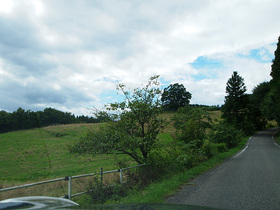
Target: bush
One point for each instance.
(222, 147)
(223, 132)
(210, 149)
(100, 193)
(186, 161)
(160, 162)
(191, 124)
(193, 154)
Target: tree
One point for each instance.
(274, 96)
(134, 126)
(191, 123)
(235, 108)
(259, 105)
(175, 96)
(275, 67)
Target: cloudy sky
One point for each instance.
(70, 54)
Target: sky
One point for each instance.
(71, 54)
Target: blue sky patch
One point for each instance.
(262, 55)
(203, 62)
(207, 67)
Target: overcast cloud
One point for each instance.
(69, 54)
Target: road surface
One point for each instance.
(248, 180)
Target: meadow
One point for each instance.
(33, 155)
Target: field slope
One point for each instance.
(38, 154)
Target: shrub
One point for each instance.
(160, 162)
(186, 161)
(222, 147)
(193, 154)
(191, 124)
(223, 132)
(210, 149)
(100, 193)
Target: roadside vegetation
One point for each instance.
(175, 140)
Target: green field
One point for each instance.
(33, 155)
(41, 154)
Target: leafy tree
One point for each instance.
(191, 123)
(259, 105)
(235, 108)
(134, 126)
(175, 96)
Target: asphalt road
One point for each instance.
(248, 180)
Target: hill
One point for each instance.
(28, 156)
(37, 154)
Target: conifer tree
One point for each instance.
(275, 67)
(235, 105)
(274, 96)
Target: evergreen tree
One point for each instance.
(235, 108)
(275, 67)
(274, 96)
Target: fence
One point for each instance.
(70, 178)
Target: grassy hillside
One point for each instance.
(41, 154)
(37, 154)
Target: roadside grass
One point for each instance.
(158, 191)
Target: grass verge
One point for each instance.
(158, 191)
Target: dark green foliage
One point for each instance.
(210, 149)
(259, 106)
(100, 193)
(193, 153)
(59, 134)
(160, 162)
(191, 123)
(175, 96)
(223, 132)
(275, 67)
(273, 98)
(236, 101)
(22, 119)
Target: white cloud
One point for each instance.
(73, 52)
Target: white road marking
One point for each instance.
(241, 152)
(275, 143)
(244, 148)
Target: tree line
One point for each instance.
(27, 119)
(251, 112)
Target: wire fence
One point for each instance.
(70, 178)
